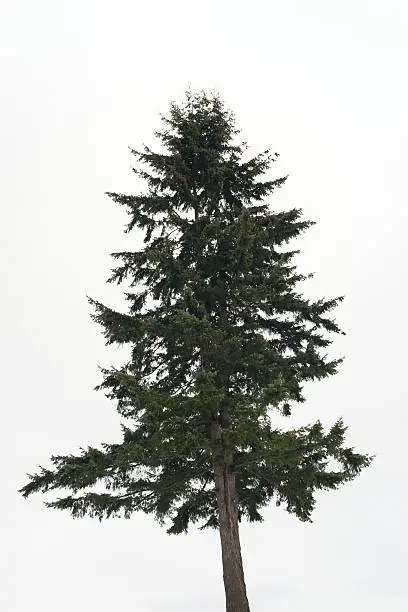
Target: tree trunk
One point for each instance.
(234, 582)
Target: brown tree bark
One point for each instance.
(227, 501)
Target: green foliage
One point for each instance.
(215, 327)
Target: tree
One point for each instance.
(219, 338)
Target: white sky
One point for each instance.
(324, 83)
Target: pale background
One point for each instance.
(324, 83)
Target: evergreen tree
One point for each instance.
(218, 338)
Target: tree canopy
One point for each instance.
(217, 332)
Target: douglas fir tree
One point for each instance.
(218, 339)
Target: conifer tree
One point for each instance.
(219, 339)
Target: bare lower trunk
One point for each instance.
(234, 582)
